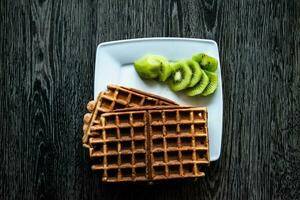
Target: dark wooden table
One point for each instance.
(47, 51)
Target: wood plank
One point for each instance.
(47, 54)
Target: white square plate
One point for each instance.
(114, 65)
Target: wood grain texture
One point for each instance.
(47, 51)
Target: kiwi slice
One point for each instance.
(200, 86)
(206, 62)
(148, 66)
(196, 72)
(153, 66)
(165, 70)
(213, 83)
(180, 77)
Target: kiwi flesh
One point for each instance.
(196, 72)
(206, 62)
(148, 66)
(165, 71)
(180, 77)
(153, 66)
(199, 87)
(213, 83)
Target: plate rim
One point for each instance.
(156, 38)
(114, 42)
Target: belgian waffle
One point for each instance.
(119, 97)
(150, 143)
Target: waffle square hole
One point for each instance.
(138, 118)
(112, 160)
(126, 172)
(140, 172)
(187, 155)
(159, 170)
(185, 115)
(199, 128)
(174, 169)
(124, 119)
(188, 169)
(126, 146)
(112, 173)
(156, 117)
(126, 159)
(201, 154)
(170, 116)
(112, 146)
(185, 129)
(140, 158)
(186, 142)
(111, 133)
(150, 102)
(139, 131)
(164, 103)
(158, 156)
(119, 106)
(173, 156)
(172, 142)
(110, 120)
(157, 130)
(98, 147)
(158, 143)
(200, 141)
(106, 104)
(125, 132)
(139, 145)
(199, 115)
(136, 100)
(122, 95)
(171, 129)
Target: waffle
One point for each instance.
(150, 143)
(118, 97)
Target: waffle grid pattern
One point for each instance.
(121, 146)
(150, 144)
(118, 97)
(179, 143)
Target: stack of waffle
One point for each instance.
(136, 136)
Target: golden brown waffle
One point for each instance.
(159, 100)
(119, 145)
(179, 143)
(118, 97)
(150, 144)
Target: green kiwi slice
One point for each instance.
(165, 70)
(196, 72)
(148, 66)
(199, 87)
(213, 83)
(206, 62)
(180, 77)
(153, 66)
